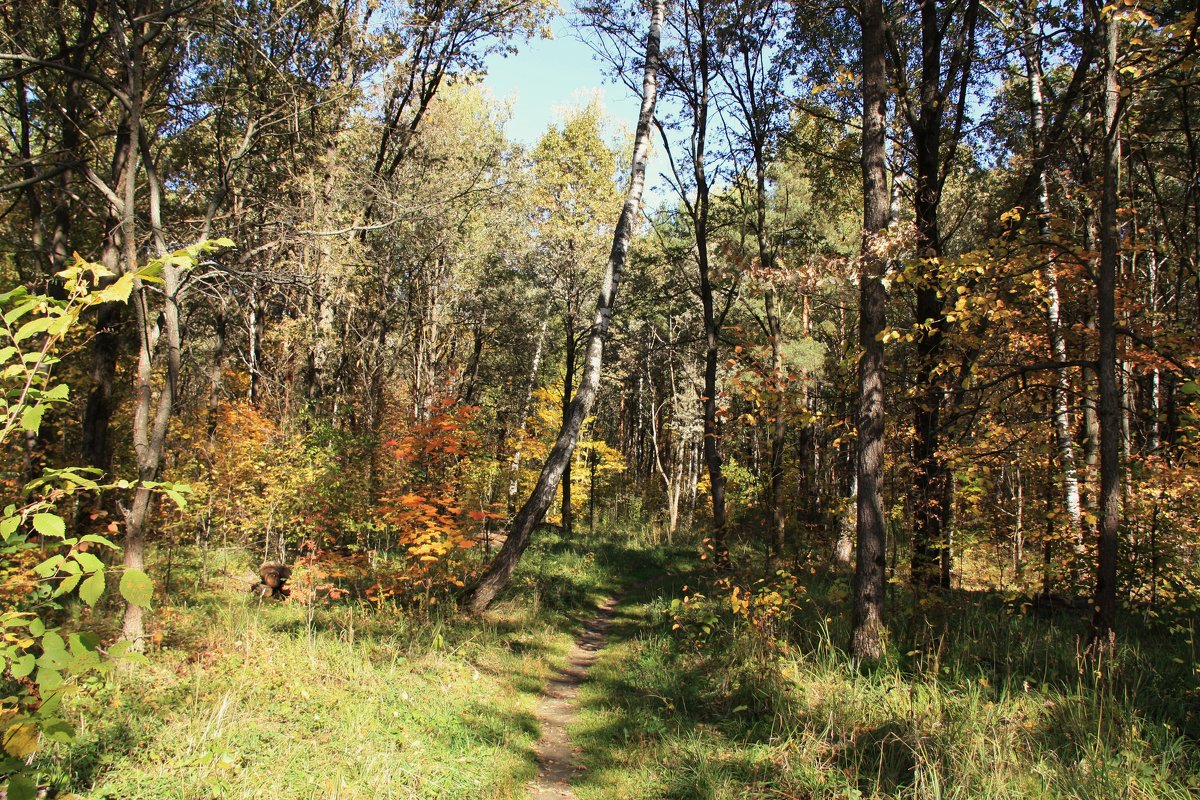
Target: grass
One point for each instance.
(973, 702)
(249, 700)
(243, 699)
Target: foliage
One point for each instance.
(44, 662)
(592, 457)
(971, 703)
(425, 504)
(386, 704)
(271, 487)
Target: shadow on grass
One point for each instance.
(516, 731)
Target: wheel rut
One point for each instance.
(557, 708)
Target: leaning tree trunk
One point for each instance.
(867, 635)
(496, 576)
(1110, 392)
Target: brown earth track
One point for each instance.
(557, 709)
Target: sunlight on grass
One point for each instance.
(666, 716)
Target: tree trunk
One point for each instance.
(1110, 391)
(847, 522)
(568, 380)
(497, 575)
(929, 470)
(778, 427)
(96, 447)
(1060, 389)
(472, 385)
(867, 636)
(216, 385)
(514, 466)
(712, 424)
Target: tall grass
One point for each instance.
(973, 701)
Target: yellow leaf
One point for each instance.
(21, 740)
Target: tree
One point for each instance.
(690, 77)
(754, 85)
(496, 576)
(941, 88)
(573, 172)
(1106, 289)
(867, 636)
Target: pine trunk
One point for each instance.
(867, 636)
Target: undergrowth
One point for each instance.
(974, 700)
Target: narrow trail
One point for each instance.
(557, 709)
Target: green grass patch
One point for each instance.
(249, 699)
(972, 702)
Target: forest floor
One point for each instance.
(241, 699)
(247, 699)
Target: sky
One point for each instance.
(548, 76)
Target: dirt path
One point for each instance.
(557, 709)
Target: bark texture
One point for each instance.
(1110, 390)
(867, 635)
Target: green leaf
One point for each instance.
(1191, 387)
(49, 679)
(84, 641)
(23, 666)
(91, 589)
(31, 418)
(8, 526)
(60, 324)
(49, 525)
(88, 561)
(151, 272)
(12, 315)
(118, 291)
(58, 393)
(136, 587)
(49, 566)
(58, 730)
(21, 788)
(98, 539)
(6, 353)
(67, 585)
(34, 326)
(36, 627)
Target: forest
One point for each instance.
(828, 429)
